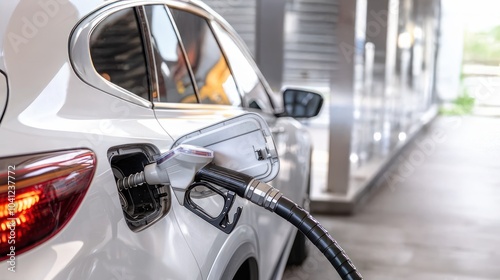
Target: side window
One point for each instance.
(254, 93)
(212, 74)
(117, 52)
(174, 81)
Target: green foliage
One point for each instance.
(483, 47)
(463, 105)
(495, 32)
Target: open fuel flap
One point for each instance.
(243, 143)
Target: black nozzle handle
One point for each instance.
(231, 180)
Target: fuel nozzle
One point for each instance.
(177, 167)
(243, 185)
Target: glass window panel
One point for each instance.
(117, 52)
(254, 92)
(212, 74)
(175, 85)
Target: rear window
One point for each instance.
(117, 52)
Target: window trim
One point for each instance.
(223, 52)
(195, 106)
(238, 41)
(81, 60)
(151, 57)
(250, 62)
(148, 49)
(80, 57)
(191, 8)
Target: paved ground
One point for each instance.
(436, 215)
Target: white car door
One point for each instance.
(196, 88)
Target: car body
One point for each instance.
(68, 98)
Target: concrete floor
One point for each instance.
(434, 215)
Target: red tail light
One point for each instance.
(38, 196)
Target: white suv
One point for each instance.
(91, 91)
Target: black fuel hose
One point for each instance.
(270, 198)
(319, 236)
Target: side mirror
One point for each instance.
(301, 103)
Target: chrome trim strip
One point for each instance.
(193, 106)
(228, 63)
(149, 52)
(81, 60)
